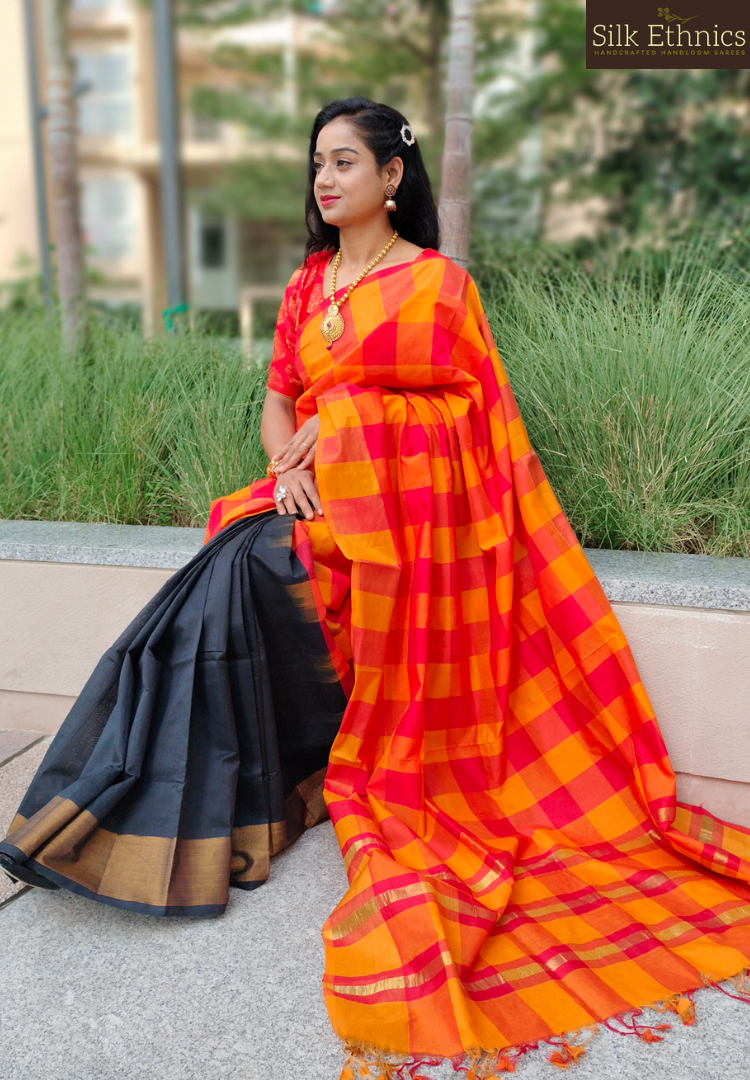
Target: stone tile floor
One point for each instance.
(88, 992)
(20, 755)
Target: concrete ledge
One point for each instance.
(633, 577)
(101, 545)
(21, 710)
(644, 577)
(69, 590)
(57, 619)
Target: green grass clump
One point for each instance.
(631, 371)
(633, 377)
(131, 431)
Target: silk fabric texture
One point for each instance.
(518, 865)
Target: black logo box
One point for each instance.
(678, 34)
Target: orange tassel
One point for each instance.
(741, 983)
(375, 1070)
(503, 1063)
(681, 1004)
(648, 1034)
(486, 1064)
(569, 1053)
(632, 1027)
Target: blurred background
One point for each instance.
(562, 155)
(609, 241)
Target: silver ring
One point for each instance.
(281, 494)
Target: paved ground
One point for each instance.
(88, 992)
(20, 755)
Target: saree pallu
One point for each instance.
(518, 865)
(183, 765)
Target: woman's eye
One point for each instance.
(341, 161)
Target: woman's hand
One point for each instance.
(299, 452)
(297, 488)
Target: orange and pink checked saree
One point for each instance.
(518, 865)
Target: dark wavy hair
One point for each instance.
(379, 127)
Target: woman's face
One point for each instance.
(349, 187)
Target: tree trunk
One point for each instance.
(63, 157)
(435, 36)
(454, 195)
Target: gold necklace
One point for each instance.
(332, 326)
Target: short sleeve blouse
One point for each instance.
(301, 292)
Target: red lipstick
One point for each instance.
(327, 200)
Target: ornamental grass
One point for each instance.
(632, 373)
(631, 369)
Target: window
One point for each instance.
(213, 244)
(205, 128)
(108, 209)
(105, 108)
(100, 5)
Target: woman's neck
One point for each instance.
(360, 244)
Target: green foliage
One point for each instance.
(671, 147)
(631, 374)
(130, 431)
(630, 370)
(389, 50)
(685, 156)
(664, 148)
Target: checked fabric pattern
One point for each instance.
(518, 865)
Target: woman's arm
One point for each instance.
(277, 431)
(278, 422)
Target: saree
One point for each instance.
(183, 766)
(518, 864)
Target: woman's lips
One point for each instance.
(328, 200)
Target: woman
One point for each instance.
(403, 599)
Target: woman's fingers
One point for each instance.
(300, 497)
(299, 447)
(299, 492)
(305, 493)
(295, 453)
(308, 459)
(280, 502)
(289, 504)
(310, 488)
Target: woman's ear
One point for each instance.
(394, 171)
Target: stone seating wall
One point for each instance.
(68, 590)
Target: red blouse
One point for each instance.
(304, 294)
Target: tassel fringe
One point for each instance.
(569, 1049)
(741, 983)
(369, 1063)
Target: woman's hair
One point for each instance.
(379, 127)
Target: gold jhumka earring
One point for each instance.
(389, 204)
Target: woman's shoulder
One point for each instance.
(302, 284)
(308, 267)
(438, 271)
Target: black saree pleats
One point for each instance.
(198, 747)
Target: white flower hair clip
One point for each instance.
(408, 135)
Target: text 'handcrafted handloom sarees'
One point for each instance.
(504, 801)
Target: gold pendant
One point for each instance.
(332, 326)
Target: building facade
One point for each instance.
(112, 46)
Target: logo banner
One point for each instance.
(685, 34)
